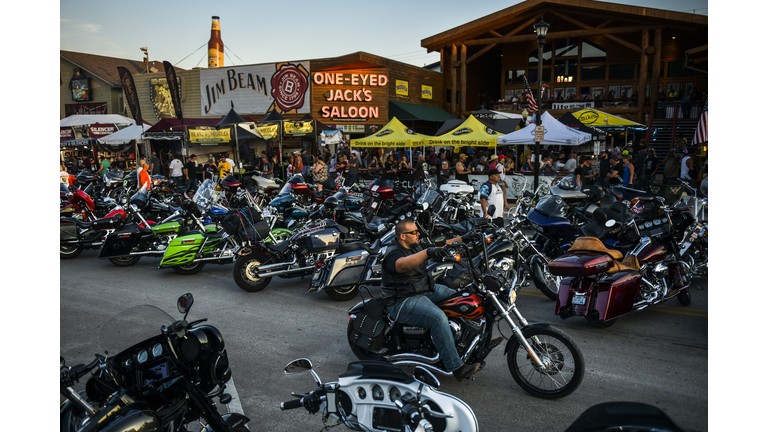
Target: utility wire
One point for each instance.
(177, 63)
(238, 57)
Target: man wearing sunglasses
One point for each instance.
(411, 295)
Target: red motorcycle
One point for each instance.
(307, 194)
(597, 286)
(381, 199)
(77, 204)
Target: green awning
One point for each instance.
(412, 111)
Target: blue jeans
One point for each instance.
(389, 183)
(421, 311)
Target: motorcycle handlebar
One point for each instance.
(291, 404)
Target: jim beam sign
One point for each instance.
(255, 89)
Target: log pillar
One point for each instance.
(453, 79)
(463, 80)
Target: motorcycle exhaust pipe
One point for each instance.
(274, 266)
(433, 369)
(412, 357)
(284, 272)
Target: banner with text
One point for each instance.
(268, 132)
(209, 136)
(255, 89)
(572, 105)
(297, 128)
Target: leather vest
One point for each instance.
(397, 286)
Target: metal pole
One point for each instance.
(537, 145)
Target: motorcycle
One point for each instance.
(618, 416)
(382, 199)
(259, 260)
(163, 381)
(597, 286)
(543, 360)
(376, 396)
(76, 235)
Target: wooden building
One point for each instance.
(591, 49)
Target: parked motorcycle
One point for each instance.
(543, 360)
(76, 235)
(377, 396)
(383, 199)
(166, 380)
(598, 287)
(620, 416)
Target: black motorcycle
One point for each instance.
(166, 380)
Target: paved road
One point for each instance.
(657, 356)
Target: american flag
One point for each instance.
(701, 129)
(529, 97)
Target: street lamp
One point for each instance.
(541, 28)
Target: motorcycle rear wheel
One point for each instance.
(599, 324)
(243, 279)
(545, 281)
(189, 269)
(565, 363)
(126, 261)
(684, 297)
(344, 293)
(69, 251)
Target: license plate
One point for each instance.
(374, 205)
(266, 213)
(579, 299)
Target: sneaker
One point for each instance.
(466, 371)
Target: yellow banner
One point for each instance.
(401, 87)
(297, 128)
(209, 136)
(268, 132)
(426, 91)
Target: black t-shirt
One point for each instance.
(190, 167)
(305, 159)
(605, 168)
(651, 163)
(579, 171)
(388, 167)
(156, 167)
(209, 172)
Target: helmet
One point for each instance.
(331, 202)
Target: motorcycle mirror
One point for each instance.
(440, 241)
(426, 377)
(610, 223)
(298, 366)
(184, 303)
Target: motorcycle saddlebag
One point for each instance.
(121, 242)
(368, 326)
(182, 250)
(616, 294)
(318, 241)
(347, 269)
(67, 230)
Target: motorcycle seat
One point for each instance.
(592, 244)
(278, 247)
(350, 247)
(144, 230)
(597, 228)
(217, 234)
(462, 228)
(373, 227)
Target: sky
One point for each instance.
(268, 32)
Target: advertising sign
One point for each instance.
(426, 91)
(255, 89)
(401, 87)
(268, 132)
(297, 128)
(209, 136)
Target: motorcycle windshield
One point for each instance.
(297, 179)
(286, 190)
(131, 327)
(429, 198)
(204, 194)
(552, 206)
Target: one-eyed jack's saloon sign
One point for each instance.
(351, 96)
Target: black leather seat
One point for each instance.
(350, 247)
(278, 247)
(597, 228)
(462, 228)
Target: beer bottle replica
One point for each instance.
(215, 46)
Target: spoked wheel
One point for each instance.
(343, 293)
(246, 272)
(125, 261)
(67, 251)
(563, 363)
(544, 280)
(189, 269)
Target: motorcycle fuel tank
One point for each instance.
(465, 305)
(166, 228)
(652, 252)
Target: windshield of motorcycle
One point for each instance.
(552, 206)
(131, 327)
(430, 197)
(204, 193)
(297, 179)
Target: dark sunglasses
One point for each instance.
(414, 232)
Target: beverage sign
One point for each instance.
(255, 89)
(426, 91)
(401, 87)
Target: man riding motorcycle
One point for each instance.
(411, 295)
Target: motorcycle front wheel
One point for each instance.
(563, 367)
(343, 293)
(246, 272)
(544, 280)
(67, 251)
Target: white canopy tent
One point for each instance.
(125, 135)
(555, 133)
(506, 115)
(83, 120)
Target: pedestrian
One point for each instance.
(326, 155)
(104, 166)
(231, 163)
(176, 168)
(305, 162)
(341, 165)
(210, 170)
(69, 162)
(119, 162)
(190, 172)
(628, 171)
(267, 169)
(390, 171)
(154, 164)
(443, 173)
(462, 170)
(582, 172)
(642, 153)
(614, 176)
(142, 173)
(571, 163)
(650, 166)
(491, 193)
(63, 175)
(374, 165)
(298, 164)
(686, 166)
(353, 168)
(672, 165)
(502, 177)
(319, 172)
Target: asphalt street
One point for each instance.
(657, 356)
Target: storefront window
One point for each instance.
(565, 70)
(676, 69)
(661, 69)
(592, 53)
(533, 57)
(533, 75)
(566, 47)
(593, 73)
(621, 71)
(514, 77)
